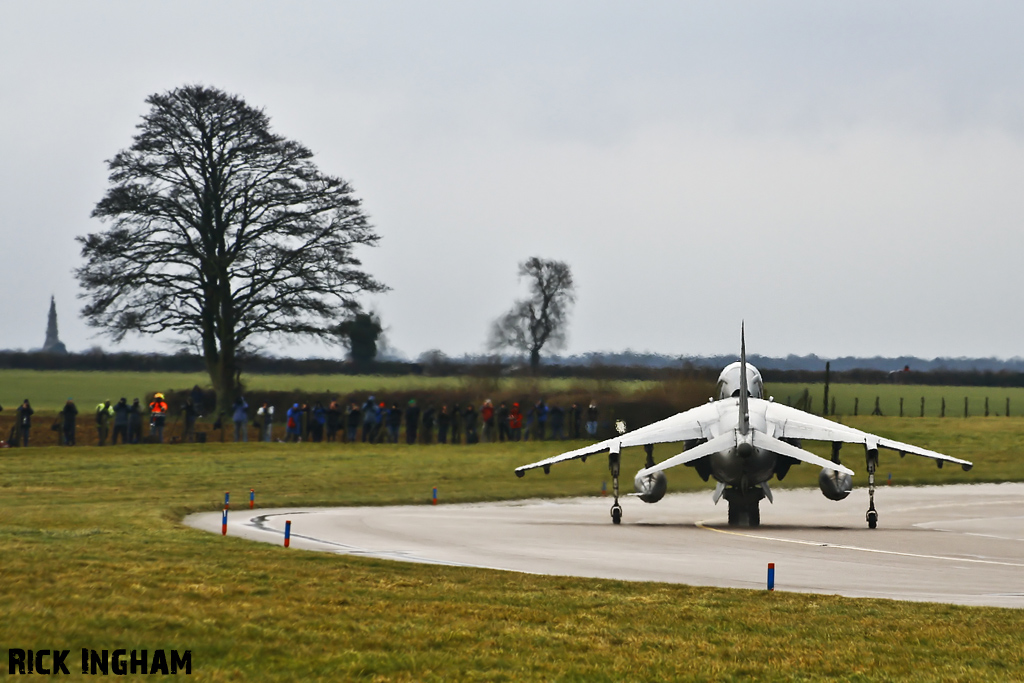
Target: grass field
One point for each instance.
(889, 398)
(48, 390)
(94, 556)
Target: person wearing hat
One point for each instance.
(487, 415)
(120, 422)
(157, 417)
(25, 413)
(515, 423)
(69, 416)
(592, 419)
(104, 411)
(369, 410)
(293, 429)
(135, 422)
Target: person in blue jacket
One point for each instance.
(293, 422)
(316, 427)
(369, 408)
(541, 411)
(241, 419)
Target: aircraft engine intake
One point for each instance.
(652, 487)
(835, 485)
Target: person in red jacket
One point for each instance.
(515, 422)
(157, 417)
(487, 415)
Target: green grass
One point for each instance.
(49, 389)
(94, 556)
(889, 398)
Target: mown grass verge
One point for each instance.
(94, 556)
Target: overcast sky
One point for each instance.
(848, 177)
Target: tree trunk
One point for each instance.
(226, 385)
(534, 360)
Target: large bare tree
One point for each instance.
(222, 232)
(541, 319)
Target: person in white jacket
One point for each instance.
(265, 414)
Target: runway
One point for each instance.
(952, 544)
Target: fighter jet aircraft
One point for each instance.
(743, 440)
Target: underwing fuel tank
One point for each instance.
(651, 488)
(835, 485)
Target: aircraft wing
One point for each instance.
(695, 423)
(729, 440)
(791, 423)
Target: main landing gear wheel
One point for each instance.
(613, 466)
(872, 462)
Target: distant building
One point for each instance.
(53, 344)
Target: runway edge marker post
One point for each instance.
(771, 576)
(252, 498)
(433, 501)
(287, 533)
(227, 499)
(224, 523)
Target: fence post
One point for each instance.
(1007, 406)
(942, 412)
(833, 405)
(877, 410)
(824, 404)
(922, 406)
(901, 406)
(856, 401)
(986, 406)
(965, 406)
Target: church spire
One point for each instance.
(53, 344)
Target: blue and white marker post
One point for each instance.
(224, 523)
(287, 533)
(227, 499)
(604, 488)
(434, 499)
(252, 498)
(771, 576)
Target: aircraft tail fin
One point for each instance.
(744, 404)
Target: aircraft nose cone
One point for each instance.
(744, 450)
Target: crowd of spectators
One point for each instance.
(373, 421)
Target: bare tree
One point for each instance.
(541, 319)
(222, 232)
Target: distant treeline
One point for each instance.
(185, 362)
(440, 366)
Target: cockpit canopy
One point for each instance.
(729, 382)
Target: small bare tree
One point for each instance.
(541, 319)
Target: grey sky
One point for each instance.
(846, 177)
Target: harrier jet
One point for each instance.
(742, 441)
